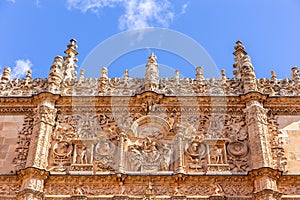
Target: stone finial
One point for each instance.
(104, 73)
(199, 74)
(81, 74)
(151, 79)
(70, 61)
(126, 74)
(71, 48)
(28, 78)
(177, 76)
(295, 75)
(152, 60)
(223, 74)
(273, 76)
(5, 75)
(239, 49)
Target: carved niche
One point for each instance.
(149, 149)
(81, 144)
(220, 144)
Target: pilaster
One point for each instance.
(256, 120)
(44, 122)
(32, 184)
(265, 184)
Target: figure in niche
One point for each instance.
(166, 158)
(135, 158)
(216, 155)
(150, 150)
(83, 156)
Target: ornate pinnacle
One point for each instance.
(239, 49)
(72, 47)
(126, 73)
(273, 75)
(223, 74)
(152, 60)
(104, 73)
(81, 73)
(6, 75)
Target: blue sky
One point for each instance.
(33, 32)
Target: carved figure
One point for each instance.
(216, 155)
(83, 156)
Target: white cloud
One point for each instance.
(183, 8)
(146, 13)
(138, 13)
(12, 1)
(21, 68)
(93, 5)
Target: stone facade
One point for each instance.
(149, 138)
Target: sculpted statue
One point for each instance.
(83, 156)
(216, 155)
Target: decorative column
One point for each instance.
(180, 152)
(32, 184)
(122, 138)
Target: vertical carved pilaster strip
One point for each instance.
(256, 120)
(43, 126)
(32, 186)
(265, 184)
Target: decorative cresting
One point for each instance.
(150, 137)
(62, 80)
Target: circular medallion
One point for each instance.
(237, 148)
(62, 149)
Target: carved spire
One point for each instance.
(199, 74)
(239, 54)
(56, 74)
(152, 75)
(152, 60)
(5, 78)
(5, 75)
(295, 75)
(70, 61)
(244, 69)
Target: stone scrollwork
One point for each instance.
(24, 140)
(237, 156)
(105, 155)
(277, 150)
